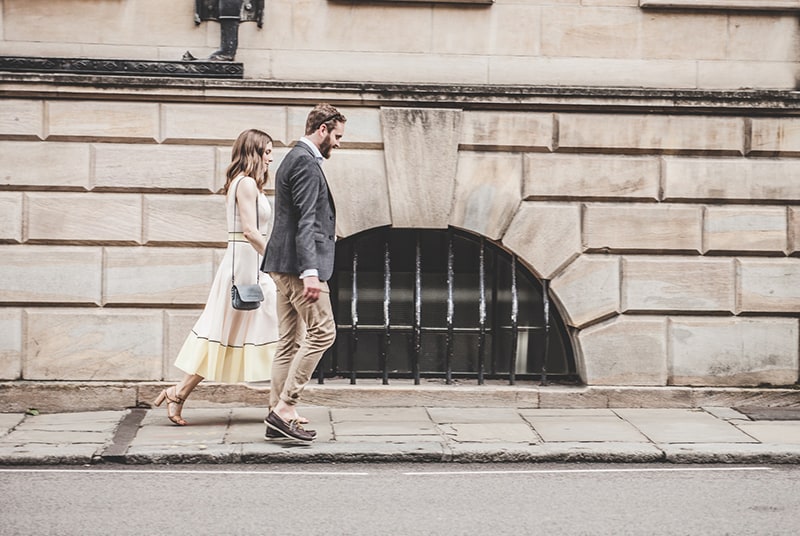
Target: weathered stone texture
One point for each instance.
(178, 325)
(677, 284)
(746, 74)
(507, 130)
(10, 343)
(683, 36)
(794, 230)
(625, 351)
(637, 227)
(769, 285)
(84, 217)
(745, 229)
(421, 194)
(651, 133)
(18, 168)
(488, 192)
(588, 289)
(116, 345)
(154, 167)
(10, 217)
(103, 120)
(21, 118)
(185, 219)
(578, 176)
(50, 274)
(221, 123)
(775, 136)
(731, 179)
(585, 31)
(357, 180)
(733, 351)
(157, 276)
(545, 235)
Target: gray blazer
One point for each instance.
(304, 233)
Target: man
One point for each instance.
(299, 258)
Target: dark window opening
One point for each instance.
(421, 303)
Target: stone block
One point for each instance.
(179, 325)
(775, 136)
(794, 230)
(546, 236)
(10, 343)
(221, 123)
(592, 72)
(357, 179)
(511, 43)
(745, 29)
(733, 351)
(731, 179)
(147, 22)
(678, 284)
(396, 67)
(747, 75)
(588, 289)
(640, 227)
(72, 171)
(164, 276)
(114, 345)
(651, 133)
(50, 274)
(362, 129)
(84, 217)
(185, 219)
(488, 192)
(154, 167)
(625, 351)
(103, 121)
(507, 131)
(769, 285)
(10, 217)
(580, 176)
(421, 194)
(745, 229)
(684, 36)
(570, 31)
(21, 118)
(451, 23)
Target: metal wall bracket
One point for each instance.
(229, 13)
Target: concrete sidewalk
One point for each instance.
(414, 434)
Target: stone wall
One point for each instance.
(617, 43)
(665, 219)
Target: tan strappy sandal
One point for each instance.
(175, 400)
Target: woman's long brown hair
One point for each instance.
(247, 158)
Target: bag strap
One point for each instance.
(233, 247)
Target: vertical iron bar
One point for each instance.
(481, 313)
(417, 310)
(354, 317)
(546, 304)
(496, 331)
(512, 372)
(387, 290)
(450, 310)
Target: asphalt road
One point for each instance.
(395, 499)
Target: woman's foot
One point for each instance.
(174, 405)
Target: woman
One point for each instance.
(229, 345)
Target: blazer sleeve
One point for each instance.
(306, 183)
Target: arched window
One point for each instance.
(421, 303)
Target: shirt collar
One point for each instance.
(314, 148)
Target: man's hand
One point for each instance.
(311, 288)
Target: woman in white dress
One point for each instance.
(226, 344)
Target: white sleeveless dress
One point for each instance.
(228, 345)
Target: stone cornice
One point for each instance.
(300, 93)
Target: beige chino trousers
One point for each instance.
(305, 331)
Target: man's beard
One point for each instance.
(326, 146)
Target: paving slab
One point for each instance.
(378, 414)
(337, 452)
(518, 432)
(566, 412)
(583, 428)
(776, 432)
(474, 415)
(397, 439)
(54, 437)
(683, 426)
(49, 454)
(731, 453)
(9, 421)
(365, 428)
(726, 414)
(183, 453)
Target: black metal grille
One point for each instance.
(420, 303)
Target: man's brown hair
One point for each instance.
(323, 114)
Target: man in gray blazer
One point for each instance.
(299, 258)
